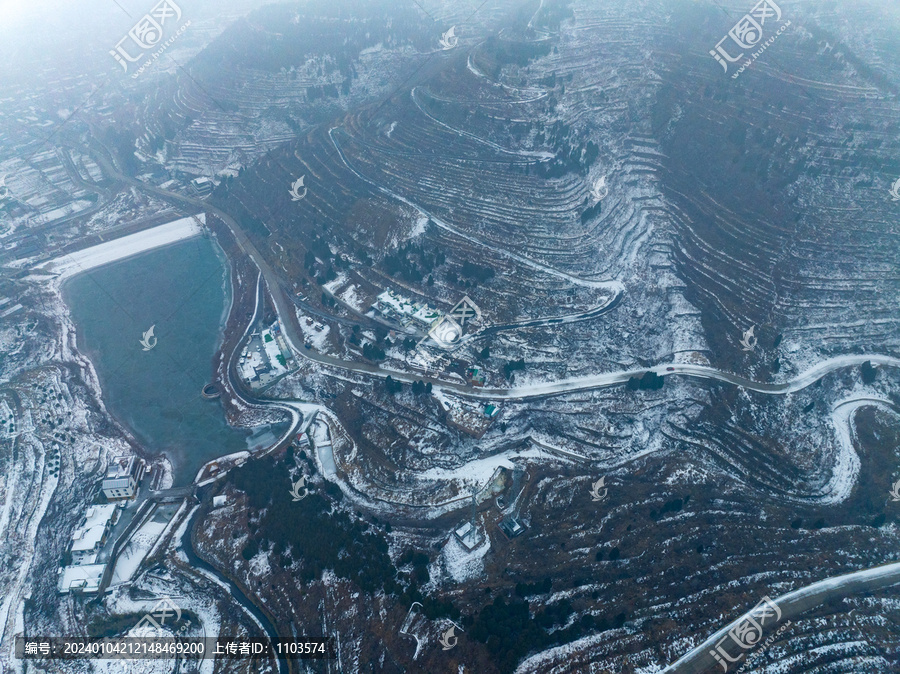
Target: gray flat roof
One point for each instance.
(116, 482)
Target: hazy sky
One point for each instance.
(74, 35)
(62, 32)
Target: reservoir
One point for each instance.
(183, 291)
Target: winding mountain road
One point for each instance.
(284, 307)
(606, 379)
(699, 659)
(791, 605)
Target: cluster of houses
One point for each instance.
(85, 571)
(446, 330)
(403, 310)
(265, 358)
(178, 182)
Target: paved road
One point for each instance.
(791, 605)
(699, 659)
(292, 332)
(606, 379)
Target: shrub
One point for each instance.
(512, 365)
(869, 373)
(318, 537)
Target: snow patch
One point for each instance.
(461, 564)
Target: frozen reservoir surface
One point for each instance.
(183, 292)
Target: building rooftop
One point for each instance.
(86, 537)
(119, 467)
(511, 527)
(116, 482)
(469, 536)
(403, 306)
(81, 578)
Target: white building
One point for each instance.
(265, 358)
(84, 578)
(89, 537)
(391, 304)
(273, 352)
(202, 186)
(122, 477)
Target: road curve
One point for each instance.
(606, 379)
(699, 659)
(291, 330)
(792, 604)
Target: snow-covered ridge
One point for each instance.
(576, 384)
(799, 600)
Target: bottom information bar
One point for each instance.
(141, 648)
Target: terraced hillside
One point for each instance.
(613, 202)
(777, 184)
(274, 74)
